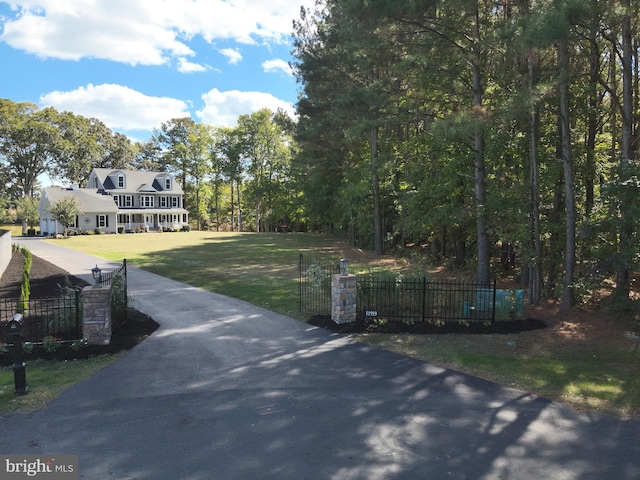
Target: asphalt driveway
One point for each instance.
(227, 390)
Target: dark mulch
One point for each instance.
(498, 327)
(46, 279)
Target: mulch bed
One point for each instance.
(46, 280)
(425, 328)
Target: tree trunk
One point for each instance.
(592, 127)
(535, 267)
(568, 294)
(627, 156)
(217, 207)
(480, 188)
(375, 184)
(232, 209)
(239, 207)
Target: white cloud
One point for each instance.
(147, 32)
(233, 54)
(185, 66)
(117, 106)
(224, 108)
(277, 65)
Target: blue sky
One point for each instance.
(136, 63)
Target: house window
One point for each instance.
(128, 201)
(146, 201)
(163, 202)
(116, 199)
(120, 180)
(102, 221)
(174, 202)
(167, 183)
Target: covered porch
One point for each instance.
(145, 220)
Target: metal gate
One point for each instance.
(315, 286)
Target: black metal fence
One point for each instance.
(315, 286)
(59, 317)
(389, 297)
(412, 300)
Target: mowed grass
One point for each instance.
(46, 379)
(586, 375)
(263, 269)
(259, 268)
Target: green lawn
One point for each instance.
(259, 268)
(262, 269)
(46, 379)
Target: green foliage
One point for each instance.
(65, 211)
(316, 274)
(463, 97)
(119, 298)
(25, 287)
(61, 320)
(27, 348)
(79, 344)
(27, 210)
(27, 145)
(25, 293)
(51, 344)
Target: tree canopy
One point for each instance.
(485, 134)
(65, 211)
(478, 129)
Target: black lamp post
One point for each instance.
(97, 276)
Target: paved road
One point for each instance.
(227, 390)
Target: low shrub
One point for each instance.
(50, 344)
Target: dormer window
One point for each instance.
(121, 180)
(167, 183)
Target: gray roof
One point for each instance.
(137, 181)
(90, 200)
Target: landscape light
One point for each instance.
(97, 275)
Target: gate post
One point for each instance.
(343, 298)
(96, 307)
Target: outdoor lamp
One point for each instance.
(343, 266)
(97, 275)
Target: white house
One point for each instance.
(115, 198)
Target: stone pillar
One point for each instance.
(343, 298)
(96, 318)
